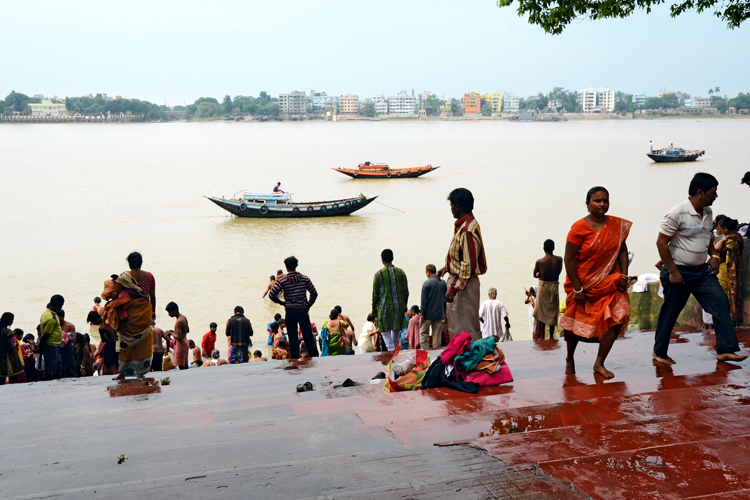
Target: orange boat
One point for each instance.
(369, 170)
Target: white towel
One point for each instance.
(641, 286)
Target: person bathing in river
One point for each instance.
(597, 305)
(181, 329)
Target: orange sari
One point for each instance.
(599, 273)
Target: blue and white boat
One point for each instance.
(670, 155)
(272, 205)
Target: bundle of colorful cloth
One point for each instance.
(466, 365)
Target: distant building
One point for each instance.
(381, 104)
(601, 100)
(701, 102)
(688, 103)
(495, 100)
(349, 105)
(425, 95)
(48, 108)
(681, 96)
(402, 105)
(322, 102)
(472, 103)
(39, 96)
(293, 103)
(510, 103)
(639, 99)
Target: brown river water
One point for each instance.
(76, 199)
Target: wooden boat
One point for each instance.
(270, 206)
(369, 170)
(670, 155)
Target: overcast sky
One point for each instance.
(182, 50)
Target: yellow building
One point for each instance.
(495, 99)
(48, 108)
(349, 105)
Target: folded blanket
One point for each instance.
(470, 359)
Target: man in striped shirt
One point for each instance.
(295, 287)
(390, 294)
(684, 243)
(464, 263)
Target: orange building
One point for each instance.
(472, 103)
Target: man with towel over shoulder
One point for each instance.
(547, 270)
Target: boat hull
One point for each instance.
(672, 159)
(333, 208)
(403, 173)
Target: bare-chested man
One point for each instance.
(215, 359)
(270, 285)
(547, 270)
(181, 329)
(159, 336)
(196, 360)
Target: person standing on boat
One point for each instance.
(684, 244)
(464, 264)
(277, 189)
(651, 145)
(295, 287)
(390, 294)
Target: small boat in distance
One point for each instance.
(669, 155)
(271, 206)
(369, 170)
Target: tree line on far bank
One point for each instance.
(86, 106)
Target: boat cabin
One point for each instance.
(373, 166)
(268, 198)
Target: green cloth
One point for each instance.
(51, 324)
(471, 358)
(390, 294)
(334, 341)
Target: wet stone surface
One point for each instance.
(245, 432)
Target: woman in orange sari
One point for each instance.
(130, 312)
(596, 262)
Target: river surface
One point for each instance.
(77, 198)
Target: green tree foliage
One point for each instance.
(719, 103)
(227, 105)
(667, 101)
(368, 109)
(15, 101)
(95, 106)
(564, 100)
(553, 16)
(457, 107)
(207, 110)
(263, 105)
(742, 101)
(432, 105)
(486, 108)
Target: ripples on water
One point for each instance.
(76, 199)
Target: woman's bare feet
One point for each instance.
(730, 356)
(603, 371)
(664, 361)
(570, 367)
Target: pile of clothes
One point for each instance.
(467, 365)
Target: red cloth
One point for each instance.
(412, 332)
(458, 345)
(485, 379)
(209, 343)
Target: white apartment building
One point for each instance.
(293, 103)
(381, 104)
(701, 102)
(321, 101)
(601, 100)
(48, 108)
(510, 103)
(402, 105)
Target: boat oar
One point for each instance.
(396, 209)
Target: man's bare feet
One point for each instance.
(603, 371)
(730, 356)
(570, 367)
(119, 377)
(664, 361)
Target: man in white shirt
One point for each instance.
(684, 243)
(491, 314)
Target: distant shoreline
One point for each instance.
(568, 117)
